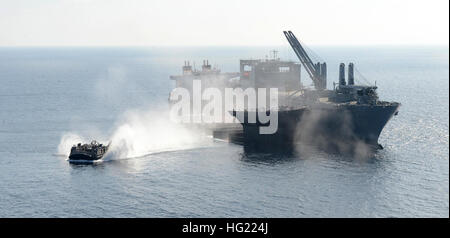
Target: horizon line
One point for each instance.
(206, 46)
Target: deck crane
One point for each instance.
(318, 71)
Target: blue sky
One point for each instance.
(231, 22)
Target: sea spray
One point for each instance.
(139, 133)
(148, 132)
(67, 141)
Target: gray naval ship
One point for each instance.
(347, 115)
(85, 153)
(343, 117)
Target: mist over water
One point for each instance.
(140, 133)
(309, 132)
(150, 132)
(137, 131)
(52, 98)
(69, 139)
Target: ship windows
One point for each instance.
(284, 69)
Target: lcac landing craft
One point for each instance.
(87, 152)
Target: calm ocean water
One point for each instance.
(46, 93)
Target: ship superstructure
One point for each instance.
(345, 115)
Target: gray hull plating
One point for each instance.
(323, 126)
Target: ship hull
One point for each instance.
(83, 157)
(328, 126)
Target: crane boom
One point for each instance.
(317, 75)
